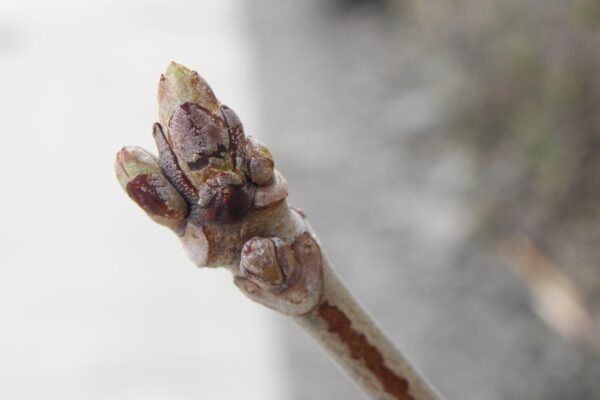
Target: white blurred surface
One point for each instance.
(96, 301)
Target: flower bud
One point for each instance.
(140, 175)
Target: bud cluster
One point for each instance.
(207, 171)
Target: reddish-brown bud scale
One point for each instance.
(149, 192)
(227, 204)
(196, 134)
(141, 177)
(170, 166)
(236, 137)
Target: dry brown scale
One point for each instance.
(219, 191)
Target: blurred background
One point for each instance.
(446, 153)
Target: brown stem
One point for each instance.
(326, 310)
(348, 334)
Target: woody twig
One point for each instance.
(219, 191)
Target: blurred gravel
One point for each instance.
(350, 108)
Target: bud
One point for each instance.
(259, 263)
(287, 277)
(259, 162)
(140, 175)
(202, 150)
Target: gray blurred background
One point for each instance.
(446, 153)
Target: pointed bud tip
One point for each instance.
(175, 69)
(179, 85)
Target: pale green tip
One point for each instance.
(180, 85)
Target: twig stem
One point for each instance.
(351, 338)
